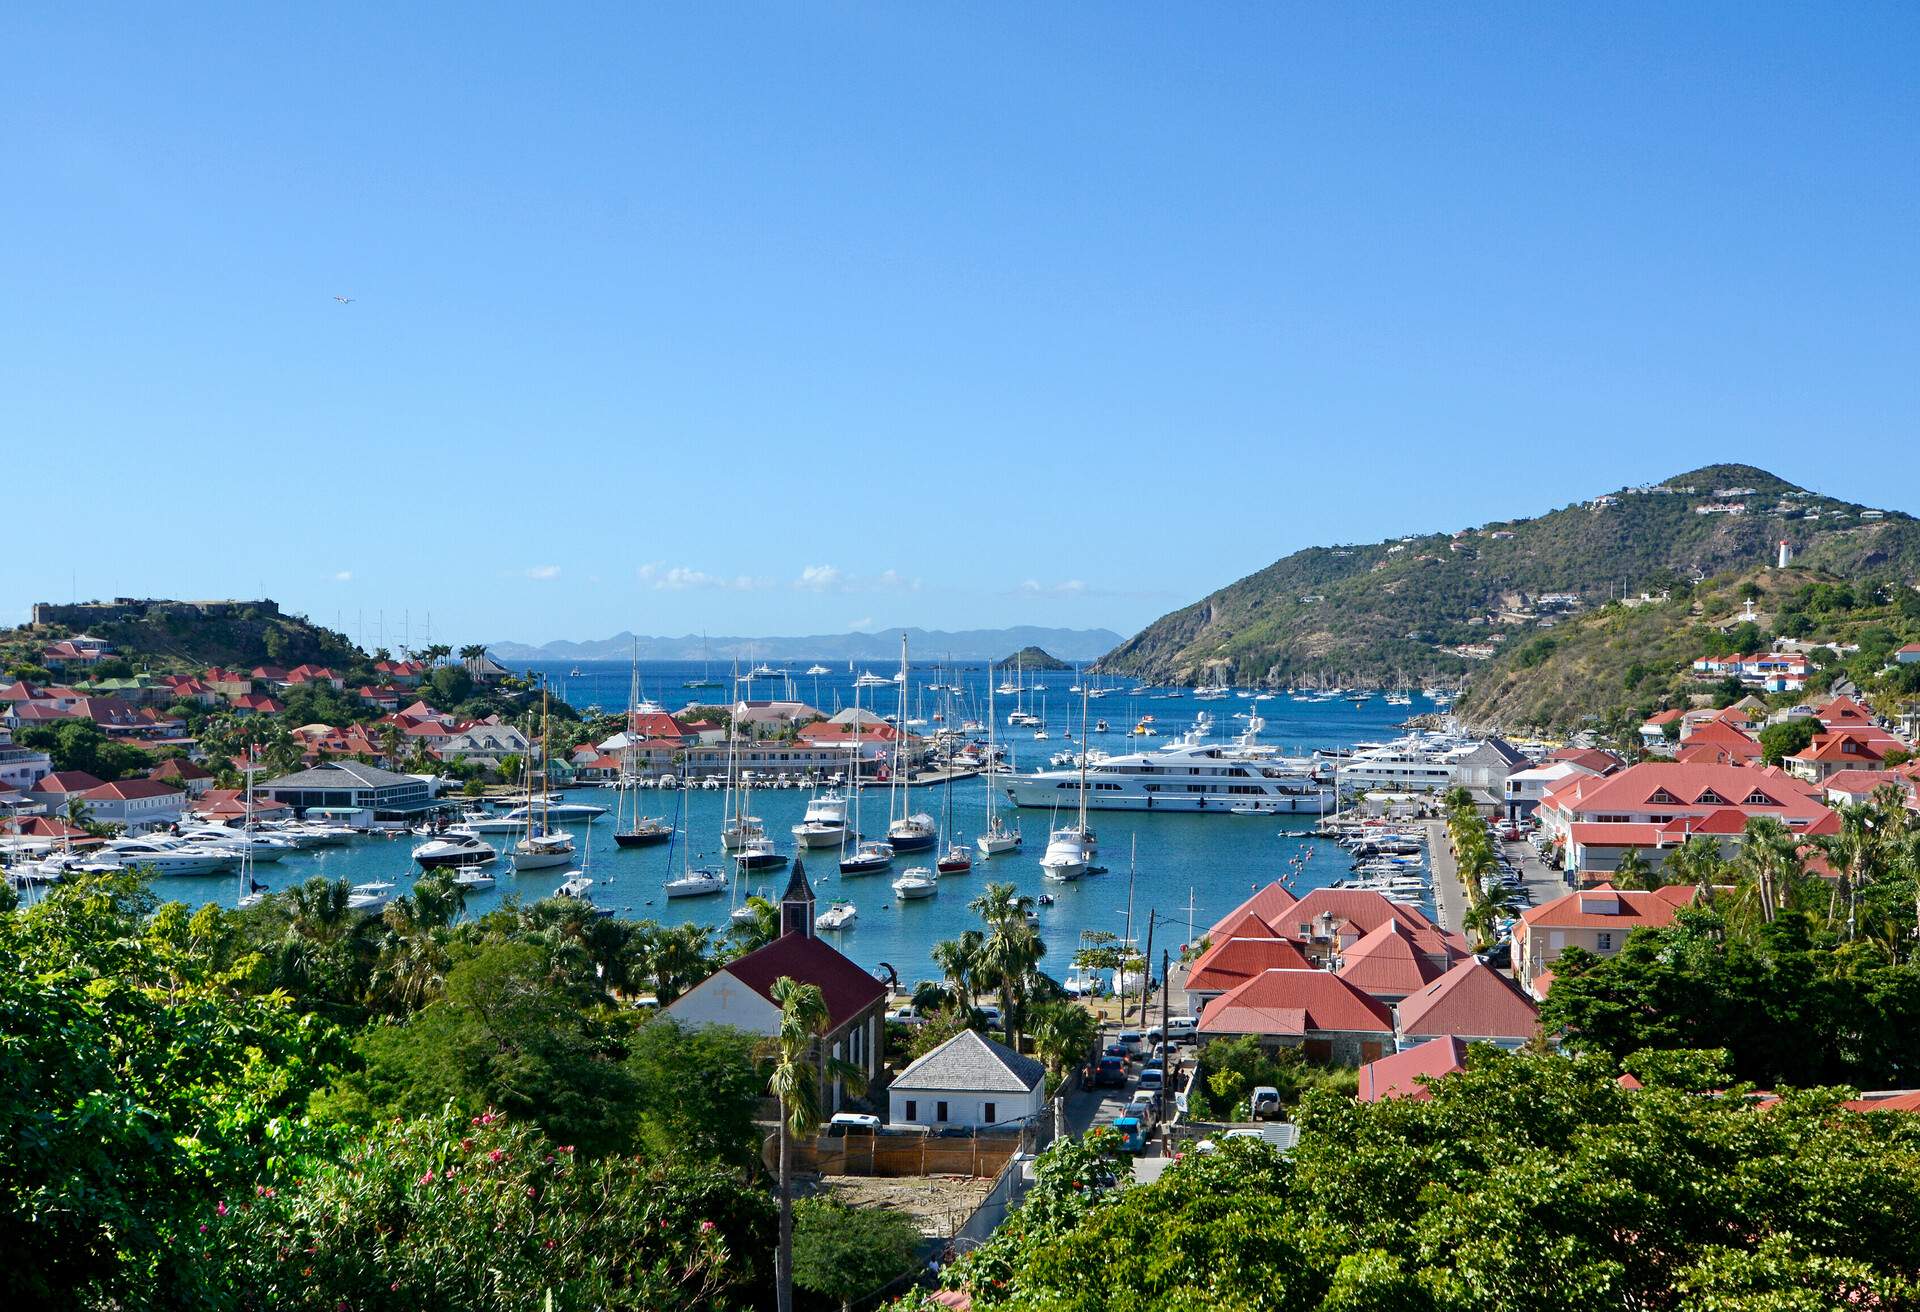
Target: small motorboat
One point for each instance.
(837, 916)
(370, 897)
(471, 880)
(917, 882)
(759, 854)
(1254, 808)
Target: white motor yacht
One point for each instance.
(473, 880)
(455, 848)
(837, 916)
(563, 813)
(1066, 856)
(697, 883)
(481, 822)
(263, 847)
(917, 882)
(169, 857)
(825, 821)
(372, 896)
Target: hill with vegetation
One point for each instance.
(181, 640)
(1433, 608)
(1033, 658)
(1613, 667)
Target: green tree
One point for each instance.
(847, 1253)
(705, 1119)
(1779, 741)
(799, 1069)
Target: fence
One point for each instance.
(899, 1154)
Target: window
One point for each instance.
(1603, 942)
(940, 1111)
(989, 1114)
(913, 1110)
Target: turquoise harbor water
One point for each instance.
(1209, 862)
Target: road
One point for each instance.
(1543, 883)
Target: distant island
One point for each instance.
(878, 645)
(1034, 658)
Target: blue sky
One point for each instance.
(775, 319)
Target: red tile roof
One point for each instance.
(1295, 1002)
(1366, 911)
(1908, 1101)
(1231, 962)
(1845, 745)
(127, 789)
(1266, 904)
(66, 781)
(1672, 786)
(847, 988)
(1387, 963)
(1591, 758)
(1472, 1001)
(1398, 1076)
(1633, 908)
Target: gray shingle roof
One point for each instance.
(968, 1063)
(341, 774)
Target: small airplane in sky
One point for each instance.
(344, 300)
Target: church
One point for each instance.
(740, 993)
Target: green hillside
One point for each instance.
(1033, 658)
(1615, 666)
(1435, 608)
(188, 642)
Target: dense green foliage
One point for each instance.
(845, 1253)
(1381, 613)
(1525, 1182)
(83, 745)
(222, 1109)
(1231, 1069)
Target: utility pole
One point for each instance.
(1166, 1063)
(1146, 976)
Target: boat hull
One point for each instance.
(643, 839)
(911, 842)
(1048, 797)
(762, 861)
(812, 836)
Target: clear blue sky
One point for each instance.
(787, 318)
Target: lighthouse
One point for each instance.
(1786, 554)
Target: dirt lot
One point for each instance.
(940, 1203)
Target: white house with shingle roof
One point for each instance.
(968, 1081)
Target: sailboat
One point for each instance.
(543, 847)
(1069, 850)
(706, 679)
(691, 882)
(630, 828)
(958, 858)
(252, 894)
(868, 857)
(998, 838)
(908, 832)
(753, 851)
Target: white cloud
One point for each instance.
(543, 572)
(1064, 588)
(681, 578)
(864, 622)
(818, 578)
(830, 578)
(343, 576)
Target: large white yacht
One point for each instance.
(1183, 776)
(169, 856)
(825, 823)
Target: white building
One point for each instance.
(136, 805)
(968, 1081)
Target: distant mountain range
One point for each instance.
(879, 645)
(1440, 607)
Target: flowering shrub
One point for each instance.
(487, 1214)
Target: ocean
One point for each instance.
(1160, 867)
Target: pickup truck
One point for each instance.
(905, 1016)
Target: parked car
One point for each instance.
(1115, 1050)
(1152, 1078)
(905, 1016)
(1133, 1041)
(989, 1016)
(845, 1123)
(1112, 1073)
(1145, 1104)
(1265, 1102)
(1182, 1029)
(1500, 955)
(1133, 1135)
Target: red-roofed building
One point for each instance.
(1268, 904)
(268, 674)
(1653, 734)
(1597, 919)
(136, 805)
(1387, 964)
(1473, 1002)
(196, 779)
(596, 769)
(1841, 749)
(302, 674)
(258, 703)
(1659, 793)
(403, 674)
(740, 993)
(228, 806)
(53, 790)
(1893, 1100)
(1719, 742)
(51, 829)
(1327, 921)
(1401, 1075)
(1231, 962)
(1589, 758)
(1314, 1010)
(1842, 713)
(229, 684)
(1856, 786)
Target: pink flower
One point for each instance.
(476, 1120)
(706, 1227)
(220, 1210)
(428, 1177)
(531, 1191)
(496, 1156)
(549, 1243)
(566, 1147)
(394, 1286)
(203, 1227)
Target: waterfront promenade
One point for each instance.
(1449, 895)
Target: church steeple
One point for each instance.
(796, 904)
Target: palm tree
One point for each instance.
(413, 961)
(1011, 951)
(764, 928)
(799, 1071)
(959, 960)
(1064, 1033)
(682, 956)
(1633, 872)
(1771, 854)
(473, 651)
(1855, 855)
(1696, 861)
